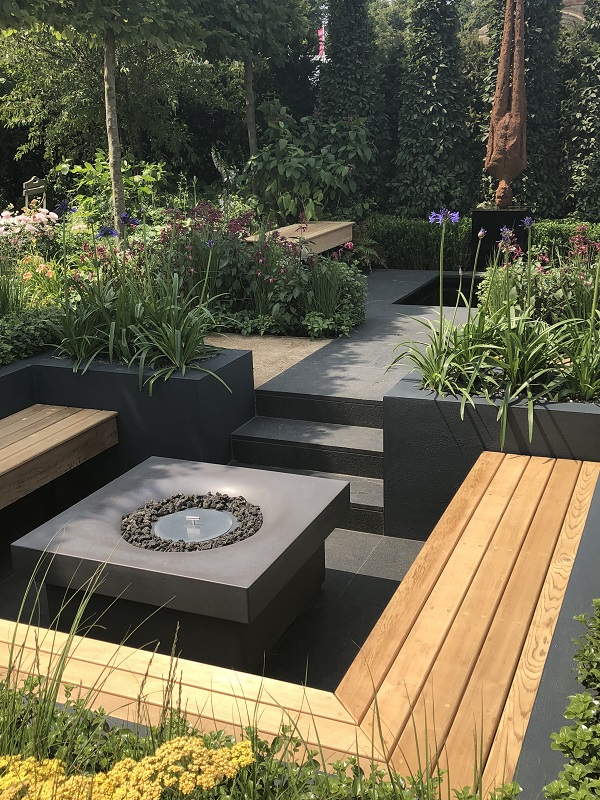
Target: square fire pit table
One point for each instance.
(230, 604)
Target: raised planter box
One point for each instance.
(428, 449)
(225, 606)
(189, 417)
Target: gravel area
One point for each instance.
(136, 528)
(271, 355)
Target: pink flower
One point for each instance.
(52, 216)
(5, 214)
(49, 273)
(349, 246)
(41, 268)
(27, 276)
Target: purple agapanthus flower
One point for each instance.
(527, 222)
(482, 233)
(505, 235)
(63, 207)
(126, 219)
(443, 215)
(210, 244)
(106, 232)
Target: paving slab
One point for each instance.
(355, 366)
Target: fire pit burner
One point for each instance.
(194, 525)
(187, 522)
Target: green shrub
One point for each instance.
(580, 742)
(26, 334)
(555, 235)
(414, 243)
(311, 168)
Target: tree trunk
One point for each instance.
(250, 104)
(112, 128)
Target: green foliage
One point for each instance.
(580, 742)
(93, 190)
(509, 350)
(544, 181)
(311, 167)
(26, 334)
(436, 160)
(582, 114)
(282, 290)
(414, 244)
(347, 84)
(555, 235)
(194, 103)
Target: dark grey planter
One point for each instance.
(189, 417)
(428, 449)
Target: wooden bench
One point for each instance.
(320, 236)
(42, 442)
(453, 663)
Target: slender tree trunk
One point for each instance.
(250, 104)
(112, 128)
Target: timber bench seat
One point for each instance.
(453, 663)
(320, 236)
(43, 442)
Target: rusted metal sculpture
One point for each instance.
(506, 154)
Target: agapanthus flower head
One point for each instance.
(106, 232)
(63, 207)
(126, 219)
(482, 233)
(443, 215)
(505, 235)
(527, 222)
(210, 244)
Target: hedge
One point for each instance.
(414, 243)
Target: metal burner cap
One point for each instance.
(195, 525)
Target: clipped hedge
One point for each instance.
(414, 243)
(554, 234)
(26, 334)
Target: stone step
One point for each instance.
(320, 408)
(366, 496)
(299, 444)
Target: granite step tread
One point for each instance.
(313, 434)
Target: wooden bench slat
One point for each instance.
(137, 663)
(71, 426)
(413, 663)
(49, 453)
(434, 710)
(369, 668)
(36, 417)
(118, 689)
(506, 747)
(485, 696)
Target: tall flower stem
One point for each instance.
(441, 327)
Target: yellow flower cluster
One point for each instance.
(183, 764)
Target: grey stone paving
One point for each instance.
(355, 366)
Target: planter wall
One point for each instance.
(538, 764)
(188, 417)
(428, 449)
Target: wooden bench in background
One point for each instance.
(42, 442)
(319, 236)
(455, 659)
